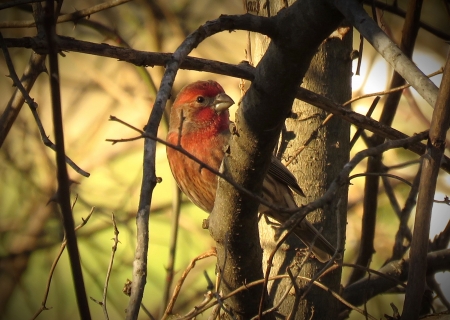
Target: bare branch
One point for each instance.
(203, 165)
(430, 169)
(398, 11)
(74, 16)
(149, 177)
(380, 174)
(404, 233)
(342, 178)
(176, 205)
(258, 282)
(244, 71)
(390, 275)
(358, 17)
(176, 292)
(13, 3)
(63, 178)
(53, 267)
(33, 107)
(368, 114)
(384, 92)
(374, 164)
(108, 273)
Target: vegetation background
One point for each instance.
(93, 88)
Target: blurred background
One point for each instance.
(93, 88)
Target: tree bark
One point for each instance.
(315, 167)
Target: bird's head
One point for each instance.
(203, 106)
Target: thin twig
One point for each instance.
(359, 18)
(14, 3)
(35, 67)
(176, 205)
(294, 284)
(375, 272)
(108, 273)
(33, 107)
(393, 274)
(53, 267)
(177, 289)
(192, 314)
(403, 164)
(390, 193)
(380, 174)
(279, 277)
(436, 287)
(381, 93)
(342, 178)
(368, 114)
(395, 9)
(74, 16)
(360, 54)
(203, 165)
(407, 142)
(268, 268)
(336, 256)
(404, 232)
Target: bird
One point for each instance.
(200, 124)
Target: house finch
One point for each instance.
(204, 133)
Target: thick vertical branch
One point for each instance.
(258, 124)
(329, 75)
(430, 168)
(315, 166)
(63, 178)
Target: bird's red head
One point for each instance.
(204, 106)
(190, 92)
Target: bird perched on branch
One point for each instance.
(200, 115)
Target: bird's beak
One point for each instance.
(222, 102)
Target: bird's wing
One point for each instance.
(282, 174)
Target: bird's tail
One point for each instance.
(280, 194)
(310, 236)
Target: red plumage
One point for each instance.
(204, 134)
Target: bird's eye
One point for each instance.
(200, 99)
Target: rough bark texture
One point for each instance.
(321, 161)
(233, 222)
(315, 168)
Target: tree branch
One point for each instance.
(258, 124)
(430, 169)
(355, 13)
(149, 178)
(364, 289)
(33, 107)
(74, 16)
(243, 70)
(398, 11)
(374, 164)
(63, 178)
(342, 178)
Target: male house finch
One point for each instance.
(204, 133)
